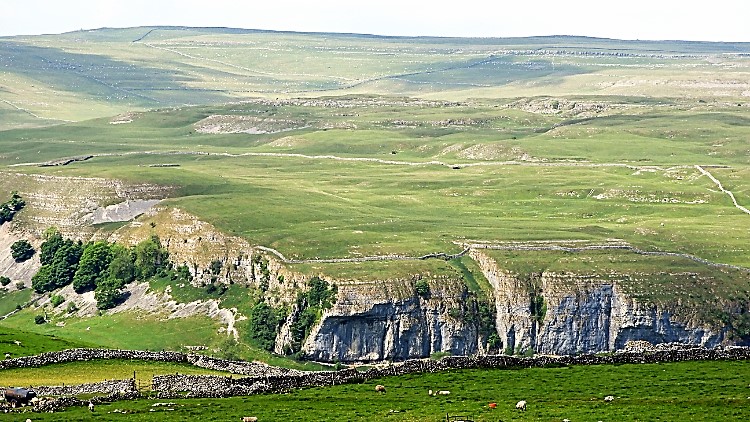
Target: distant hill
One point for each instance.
(51, 79)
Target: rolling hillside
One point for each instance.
(611, 175)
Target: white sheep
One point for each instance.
(521, 405)
(380, 388)
(609, 398)
(91, 407)
(429, 392)
(7, 356)
(249, 419)
(443, 392)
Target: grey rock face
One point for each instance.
(584, 314)
(362, 327)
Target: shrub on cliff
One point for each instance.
(422, 288)
(9, 208)
(310, 305)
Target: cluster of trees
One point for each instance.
(9, 208)
(100, 266)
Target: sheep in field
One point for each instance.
(249, 419)
(609, 398)
(443, 392)
(380, 388)
(521, 405)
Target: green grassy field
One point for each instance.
(30, 344)
(696, 391)
(384, 188)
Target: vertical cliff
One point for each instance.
(572, 313)
(391, 321)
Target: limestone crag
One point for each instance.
(580, 314)
(390, 321)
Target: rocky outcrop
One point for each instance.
(572, 313)
(390, 321)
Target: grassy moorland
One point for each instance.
(373, 176)
(697, 391)
(347, 146)
(85, 74)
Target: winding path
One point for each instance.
(718, 183)
(383, 161)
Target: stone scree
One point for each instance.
(174, 386)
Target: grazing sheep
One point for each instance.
(429, 392)
(521, 405)
(91, 407)
(443, 392)
(380, 388)
(609, 398)
(7, 356)
(249, 419)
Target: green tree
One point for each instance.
(4, 281)
(53, 242)
(121, 267)
(42, 280)
(150, 257)
(65, 262)
(21, 250)
(321, 294)
(108, 293)
(93, 266)
(264, 324)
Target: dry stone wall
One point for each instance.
(172, 386)
(78, 355)
(103, 387)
